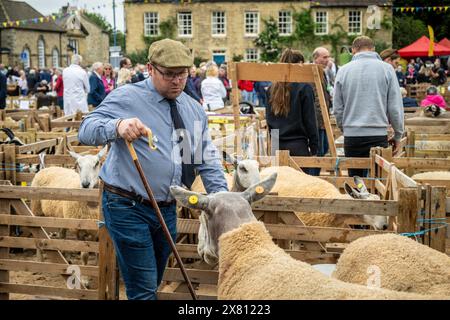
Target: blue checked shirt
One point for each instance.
(162, 167)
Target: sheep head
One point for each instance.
(88, 167)
(361, 192)
(221, 212)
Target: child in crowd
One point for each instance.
(434, 104)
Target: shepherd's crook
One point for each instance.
(158, 212)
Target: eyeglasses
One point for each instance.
(169, 76)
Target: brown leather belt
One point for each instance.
(134, 196)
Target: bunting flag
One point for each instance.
(25, 22)
(418, 9)
(431, 49)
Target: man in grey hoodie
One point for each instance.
(367, 101)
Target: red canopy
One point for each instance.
(420, 49)
(445, 42)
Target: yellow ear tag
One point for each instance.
(259, 189)
(193, 199)
(360, 185)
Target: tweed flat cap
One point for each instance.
(170, 54)
(387, 53)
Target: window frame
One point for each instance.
(286, 23)
(256, 53)
(57, 64)
(148, 24)
(27, 62)
(184, 27)
(352, 22)
(215, 24)
(246, 34)
(322, 23)
(41, 53)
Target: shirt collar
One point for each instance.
(158, 97)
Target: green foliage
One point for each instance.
(407, 30)
(167, 29)
(198, 60)
(140, 56)
(269, 41)
(238, 57)
(106, 26)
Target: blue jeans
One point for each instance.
(323, 149)
(141, 247)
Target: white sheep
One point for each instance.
(246, 173)
(294, 183)
(251, 266)
(432, 175)
(88, 168)
(402, 264)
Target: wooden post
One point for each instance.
(372, 174)
(236, 110)
(4, 252)
(407, 210)
(108, 275)
(410, 150)
(323, 107)
(438, 214)
(283, 157)
(10, 163)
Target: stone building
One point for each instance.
(83, 36)
(221, 30)
(31, 43)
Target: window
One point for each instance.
(354, 22)
(218, 23)
(74, 45)
(41, 53)
(252, 55)
(151, 24)
(185, 24)
(321, 22)
(251, 23)
(55, 58)
(285, 23)
(26, 58)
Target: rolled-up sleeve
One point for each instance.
(99, 127)
(210, 169)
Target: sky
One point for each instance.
(106, 8)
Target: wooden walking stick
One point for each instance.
(158, 212)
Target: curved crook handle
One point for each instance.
(150, 144)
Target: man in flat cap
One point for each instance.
(160, 104)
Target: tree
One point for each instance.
(407, 30)
(269, 41)
(409, 26)
(100, 21)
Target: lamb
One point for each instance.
(57, 177)
(251, 266)
(292, 182)
(404, 264)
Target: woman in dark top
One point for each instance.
(291, 110)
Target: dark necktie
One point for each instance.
(187, 169)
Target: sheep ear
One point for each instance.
(102, 152)
(74, 155)
(349, 190)
(360, 185)
(259, 190)
(189, 199)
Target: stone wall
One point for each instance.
(17, 40)
(94, 47)
(235, 42)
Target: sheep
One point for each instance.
(432, 175)
(403, 264)
(251, 266)
(88, 167)
(292, 182)
(245, 174)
